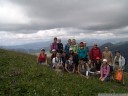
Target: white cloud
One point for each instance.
(47, 35)
(11, 13)
(24, 21)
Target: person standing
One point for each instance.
(119, 66)
(83, 51)
(95, 52)
(74, 46)
(108, 55)
(67, 46)
(54, 45)
(60, 46)
(119, 61)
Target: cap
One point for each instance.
(53, 50)
(104, 60)
(42, 49)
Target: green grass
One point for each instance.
(20, 75)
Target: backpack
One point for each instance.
(119, 75)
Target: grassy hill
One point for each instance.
(21, 76)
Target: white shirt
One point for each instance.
(57, 61)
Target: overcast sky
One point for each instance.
(24, 21)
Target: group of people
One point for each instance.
(77, 58)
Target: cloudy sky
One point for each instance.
(25, 21)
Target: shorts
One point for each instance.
(107, 78)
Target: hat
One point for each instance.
(105, 60)
(42, 49)
(70, 49)
(98, 58)
(53, 50)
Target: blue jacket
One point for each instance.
(83, 53)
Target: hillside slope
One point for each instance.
(21, 76)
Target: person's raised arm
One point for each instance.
(101, 72)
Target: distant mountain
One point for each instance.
(35, 47)
(122, 46)
(106, 44)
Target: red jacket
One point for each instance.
(95, 52)
(42, 58)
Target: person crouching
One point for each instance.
(105, 71)
(69, 65)
(82, 68)
(57, 63)
(42, 58)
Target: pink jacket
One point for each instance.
(54, 46)
(104, 71)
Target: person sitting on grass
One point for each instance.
(42, 58)
(82, 68)
(105, 71)
(57, 62)
(95, 68)
(64, 57)
(98, 65)
(69, 65)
